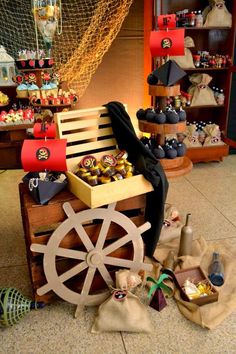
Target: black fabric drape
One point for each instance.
(145, 163)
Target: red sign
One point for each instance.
(40, 155)
(42, 130)
(166, 21)
(163, 43)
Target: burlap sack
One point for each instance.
(122, 311)
(217, 15)
(202, 94)
(213, 135)
(210, 315)
(191, 139)
(185, 61)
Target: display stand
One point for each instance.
(180, 165)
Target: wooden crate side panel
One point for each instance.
(88, 134)
(72, 240)
(92, 147)
(110, 192)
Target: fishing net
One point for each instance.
(88, 29)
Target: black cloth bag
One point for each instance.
(42, 191)
(146, 164)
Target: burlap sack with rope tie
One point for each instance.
(217, 15)
(213, 135)
(191, 139)
(122, 311)
(202, 94)
(185, 61)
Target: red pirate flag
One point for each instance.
(163, 43)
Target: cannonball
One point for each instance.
(150, 116)
(160, 118)
(181, 149)
(140, 114)
(171, 153)
(158, 152)
(172, 117)
(152, 80)
(182, 115)
(172, 142)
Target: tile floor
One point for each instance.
(208, 192)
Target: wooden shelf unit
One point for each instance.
(212, 39)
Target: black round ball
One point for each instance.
(172, 117)
(152, 80)
(181, 149)
(182, 115)
(140, 114)
(159, 153)
(172, 142)
(150, 116)
(171, 153)
(160, 118)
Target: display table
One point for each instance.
(11, 140)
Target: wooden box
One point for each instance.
(194, 274)
(40, 221)
(89, 132)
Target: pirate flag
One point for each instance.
(163, 43)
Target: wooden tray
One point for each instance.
(207, 153)
(164, 91)
(88, 133)
(194, 274)
(155, 128)
(172, 163)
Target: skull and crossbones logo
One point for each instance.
(42, 154)
(166, 43)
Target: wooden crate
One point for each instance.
(39, 222)
(89, 132)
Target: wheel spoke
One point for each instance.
(68, 253)
(63, 277)
(104, 229)
(120, 262)
(105, 274)
(117, 244)
(84, 237)
(88, 281)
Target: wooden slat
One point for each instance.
(91, 146)
(88, 134)
(85, 123)
(80, 113)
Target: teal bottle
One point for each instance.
(216, 270)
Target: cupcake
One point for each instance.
(45, 90)
(33, 90)
(22, 91)
(54, 89)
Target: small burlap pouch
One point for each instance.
(202, 94)
(217, 15)
(185, 61)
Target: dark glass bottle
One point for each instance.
(216, 270)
